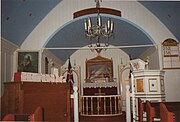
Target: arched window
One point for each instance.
(170, 54)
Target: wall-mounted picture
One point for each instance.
(153, 86)
(27, 61)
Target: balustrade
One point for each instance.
(100, 105)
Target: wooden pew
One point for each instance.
(38, 115)
(165, 115)
(171, 106)
(9, 117)
(34, 117)
(140, 110)
(150, 112)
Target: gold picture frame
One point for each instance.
(140, 85)
(153, 85)
(27, 61)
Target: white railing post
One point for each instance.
(128, 110)
(76, 111)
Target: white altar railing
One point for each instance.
(108, 105)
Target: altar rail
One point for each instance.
(100, 105)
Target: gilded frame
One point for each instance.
(27, 61)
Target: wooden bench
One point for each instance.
(140, 110)
(37, 115)
(9, 117)
(150, 112)
(165, 115)
(171, 107)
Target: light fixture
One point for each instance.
(96, 31)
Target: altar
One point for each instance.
(100, 90)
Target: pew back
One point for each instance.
(171, 107)
(9, 117)
(165, 115)
(37, 115)
(140, 110)
(150, 112)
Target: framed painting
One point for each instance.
(27, 61)
(153, 86)
(99, 68)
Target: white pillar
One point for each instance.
(76, 111)
(128, 110)
(133, 97)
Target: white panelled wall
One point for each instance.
(7, 60)
(172, 84)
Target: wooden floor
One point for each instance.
(119, 118)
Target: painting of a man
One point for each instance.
(28, 62)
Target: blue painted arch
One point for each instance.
(71, 34)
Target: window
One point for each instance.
(170, 54)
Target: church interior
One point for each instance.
(90, 60)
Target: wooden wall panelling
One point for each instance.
(27, 96)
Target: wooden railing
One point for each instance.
(100, 105)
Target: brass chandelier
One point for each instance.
(98, 30)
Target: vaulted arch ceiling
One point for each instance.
(20, 17)
(126, 33)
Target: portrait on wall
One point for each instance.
(27, 61)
